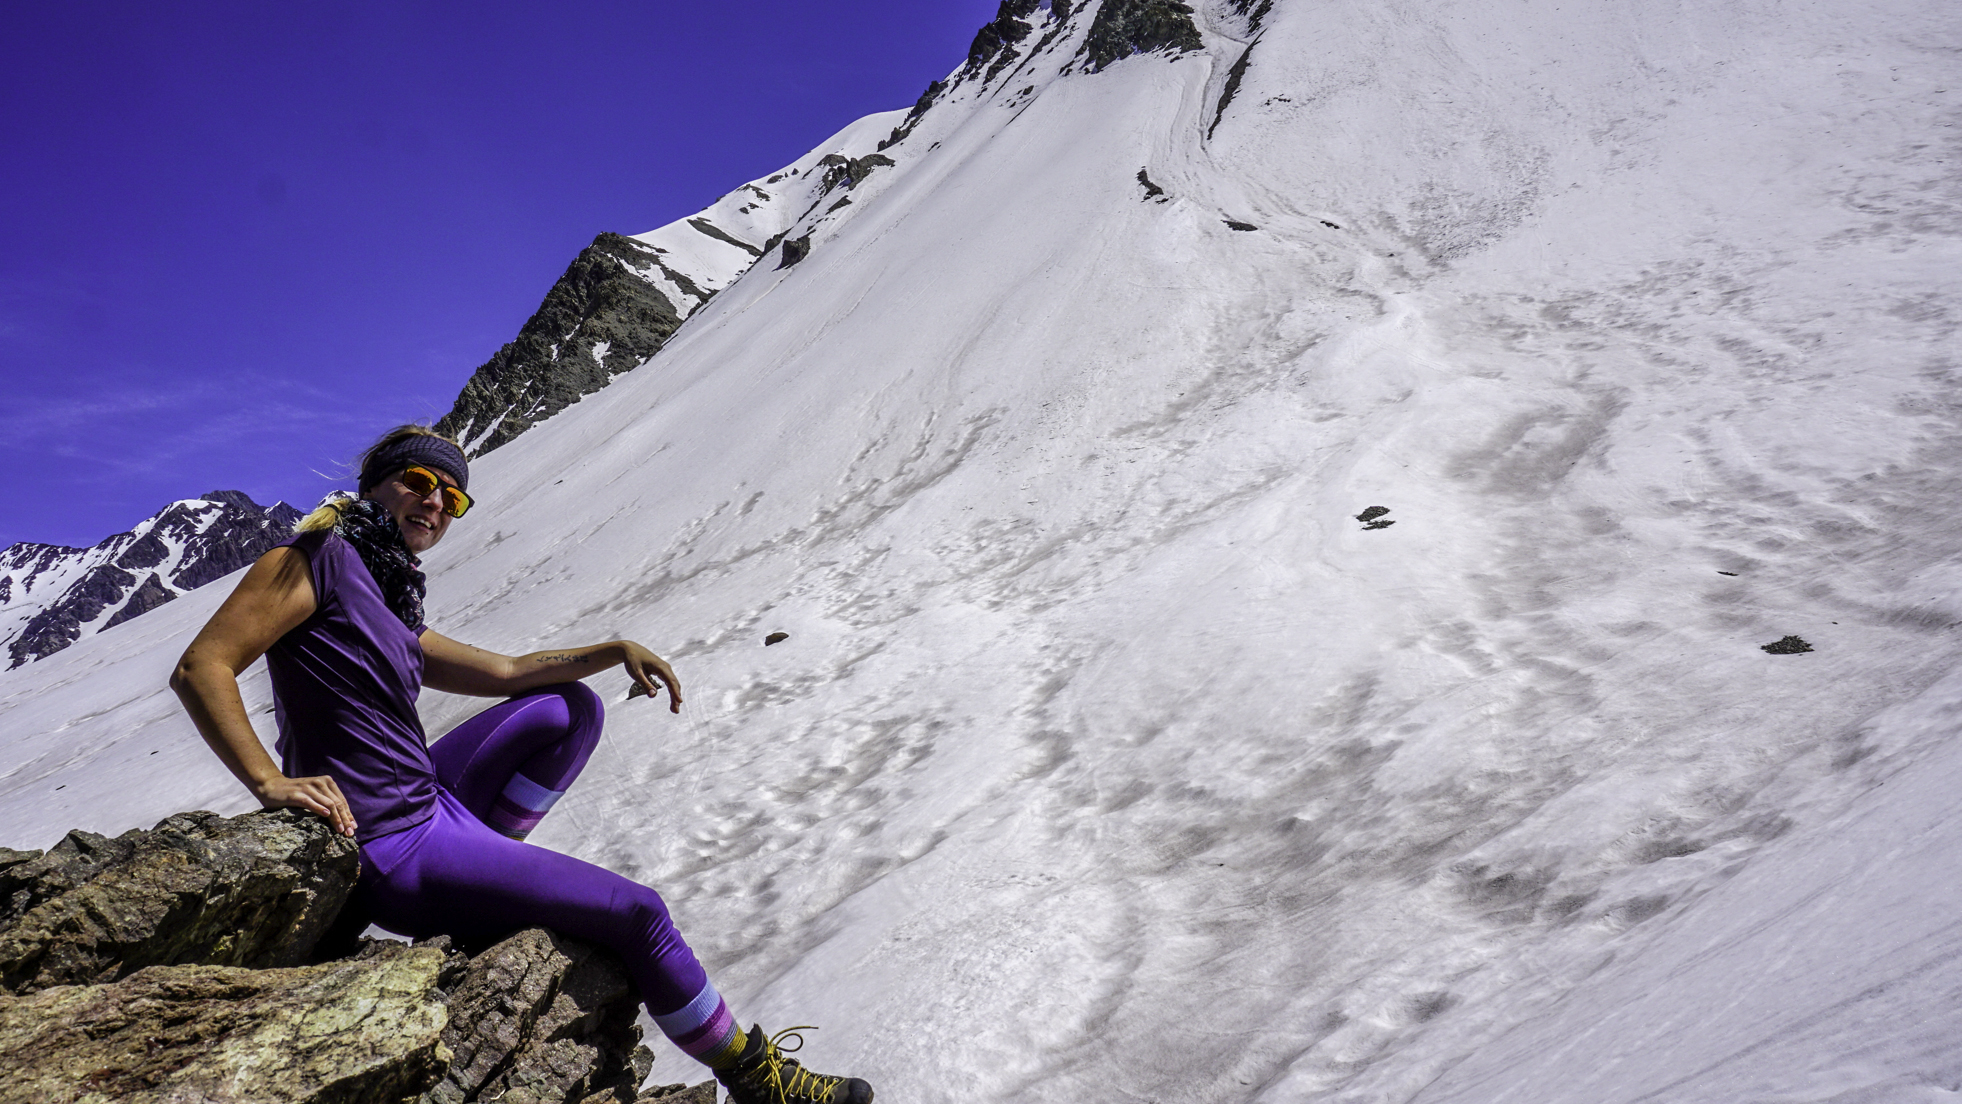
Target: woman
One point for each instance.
(337, 612)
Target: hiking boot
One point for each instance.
(763, 1075)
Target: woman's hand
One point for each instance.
(645, 667)
(318, 794)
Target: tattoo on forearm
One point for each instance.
(565, 657)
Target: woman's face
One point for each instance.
(421, 518)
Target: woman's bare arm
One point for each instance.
(273, 598)
(465, 669)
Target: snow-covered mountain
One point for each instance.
(1278, 510)
(622, 298)
(52, 595)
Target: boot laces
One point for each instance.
(787, 1078)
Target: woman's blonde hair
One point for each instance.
(328, 513)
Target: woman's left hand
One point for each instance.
(645, 667)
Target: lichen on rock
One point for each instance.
(359, 1030)
(166, 966)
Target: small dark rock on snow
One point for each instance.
(775, 638)
(1790, 645)
(1373, 518)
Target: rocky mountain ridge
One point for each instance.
(617, 304)
(52, 595)
(623, 298)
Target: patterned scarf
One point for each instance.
(373, 533)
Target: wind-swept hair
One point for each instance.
(328, 513)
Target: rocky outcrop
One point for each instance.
(997, 38)
(256, 890)
(172, 965)
(355, 1031)
(849, 171)
(542, 1017)
(795, 250)
(1255, 11)
(146, 597)
(616, 305)
(912, 119)
(52, 596)
(1126, 27)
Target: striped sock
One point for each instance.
(521, 806)
(705, 1030)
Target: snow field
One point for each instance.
(1110, 757)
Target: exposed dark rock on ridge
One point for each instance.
(1232, 86)
(912, 119)
(603, 317)
(211, 536)
(997, 38)
(849, 171)
(1255, 11)
(795, 250)
(166, 966)
(1126, 27)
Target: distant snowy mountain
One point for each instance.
(1288, 519)
(52, 596)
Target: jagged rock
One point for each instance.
(794, 250)
(1000, 33)
(164, 966)
(1126, 27)
(240, 534)
(1233, 78)
(603, 317)
(1255, 11)
(149, 596)
(60, 624)
(358, 1031)
(912, 119)
(540, 1017)
(253, 890)
(849, 171)
(703, 1093)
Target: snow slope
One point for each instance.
(721, 242)
(1110, 757)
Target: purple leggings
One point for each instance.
(454, 875)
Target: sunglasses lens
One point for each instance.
(420, 482)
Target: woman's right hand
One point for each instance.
(318, 794)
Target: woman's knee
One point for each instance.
(585, 713)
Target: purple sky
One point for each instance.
(241, 239)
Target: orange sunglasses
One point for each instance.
(421, 481)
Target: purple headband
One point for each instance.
(419, 449)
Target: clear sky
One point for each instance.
(242, 238)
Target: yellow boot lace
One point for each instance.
(802, 1085)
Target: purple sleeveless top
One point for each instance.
(345, 684)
